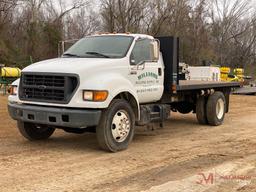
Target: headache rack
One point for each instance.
(48, 87)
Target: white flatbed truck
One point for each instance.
(111, 83)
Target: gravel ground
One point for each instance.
(183, 156)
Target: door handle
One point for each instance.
(159, 71)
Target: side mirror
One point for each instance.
(154, 48)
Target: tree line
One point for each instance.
(219, 32)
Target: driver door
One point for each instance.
(146, 70)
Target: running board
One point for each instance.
(153, 113)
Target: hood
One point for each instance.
(70, 65)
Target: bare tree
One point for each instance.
(156, 15)
(122, 15)
(6, 8)
(82, 23)
(223, 31)
(224, 15)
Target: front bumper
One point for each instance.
(58, 117)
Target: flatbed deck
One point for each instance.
(186, 85)
(245, 91)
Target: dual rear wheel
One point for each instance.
(211, 110)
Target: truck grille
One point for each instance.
(57, 88)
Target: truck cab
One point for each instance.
(108, 83)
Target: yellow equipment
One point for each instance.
(226, 74)
(225, 71)
(10, 72)
(239, 72)
(233, 78)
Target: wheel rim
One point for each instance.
(220, 108)
(120, 126)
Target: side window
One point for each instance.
(141, 52)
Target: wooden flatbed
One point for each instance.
(186, 85)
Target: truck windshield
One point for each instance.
(100, 47)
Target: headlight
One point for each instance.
(13, 90)
(97, 96)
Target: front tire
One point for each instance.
(184, 107)
(34, 132)
(216, 109)
(116, 128)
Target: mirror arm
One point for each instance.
(141, 63)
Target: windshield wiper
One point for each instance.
(71, 55)
(97, 54)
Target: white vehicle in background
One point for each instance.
(108, 84)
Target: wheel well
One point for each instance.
(131, 100)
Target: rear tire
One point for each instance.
(33, 132)
(201, 110)
(116, 128)
(216, 109)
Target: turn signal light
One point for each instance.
(97, 96)
(100, 95)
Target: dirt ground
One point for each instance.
(183, 156)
